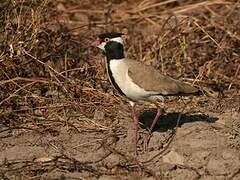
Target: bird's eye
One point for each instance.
(106, 39)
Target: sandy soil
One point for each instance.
(205, 146)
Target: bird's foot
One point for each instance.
(151, 141)
(144, 139)
(147, 140)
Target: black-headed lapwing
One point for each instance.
(137, 81)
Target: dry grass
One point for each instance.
(51, 78)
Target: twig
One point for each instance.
(41, 80)
(223, 28)
(187, 8)
(153, 6)
(235, 76)
(232, 9)
(203, 30)
(15, 92)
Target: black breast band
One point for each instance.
(113, 80)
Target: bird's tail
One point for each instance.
(187, 89)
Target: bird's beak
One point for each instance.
(96, 43)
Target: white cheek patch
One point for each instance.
(102, 46)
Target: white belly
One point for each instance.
(125, 83)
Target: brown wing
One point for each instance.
(151, 80)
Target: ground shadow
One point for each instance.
(169, 120)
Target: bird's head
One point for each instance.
(105, 39)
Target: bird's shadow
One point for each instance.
(169, 120)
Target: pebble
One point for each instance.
(173, 158)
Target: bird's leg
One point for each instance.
(159, 112)
(135, 118)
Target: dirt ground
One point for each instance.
(61, 119)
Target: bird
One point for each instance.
(136, 81)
